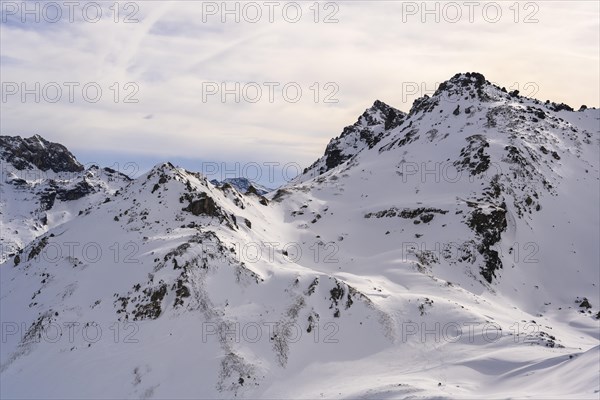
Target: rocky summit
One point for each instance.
(37, 152)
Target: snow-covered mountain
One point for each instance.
(371, 127)
(243, 185)
(449, 252)
(42, 186)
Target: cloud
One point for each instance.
(163, 63)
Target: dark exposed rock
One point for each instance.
(426, 217)
(80, 190)
(474, 157)
(280, 194)
(424, 104)
(181, 292)
(312, 286)
(426, 214)
(585, 303)
(489, 225)
(333, 158)
(18, 182)
(360, 135)
(243, 185)
(408, 137)
(560, 107)
(47, 199)
(470, 84)
(335, 295)
(203, 206)
(392, 119)
(26, 153)
(538, 112)
(54, 191)
(152, 308)
(37, 248)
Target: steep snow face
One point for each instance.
(365, 133)
(498, 165)
(42, 185)
(480, 189)
(452, 254)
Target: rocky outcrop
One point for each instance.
(26, 153)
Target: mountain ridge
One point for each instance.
(420, 222)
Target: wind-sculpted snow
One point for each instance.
(447, 252)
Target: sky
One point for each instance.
(229, 86)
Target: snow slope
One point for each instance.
(450, 252)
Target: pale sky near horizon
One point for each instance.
(179, 50)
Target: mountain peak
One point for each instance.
(468, 86)
(461, 83)
(380, 105)
(466, 78)
(366, 132)
(37, 152)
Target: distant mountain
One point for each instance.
(36, 152)
(242, 184)
(43, 185)
(447, 252)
